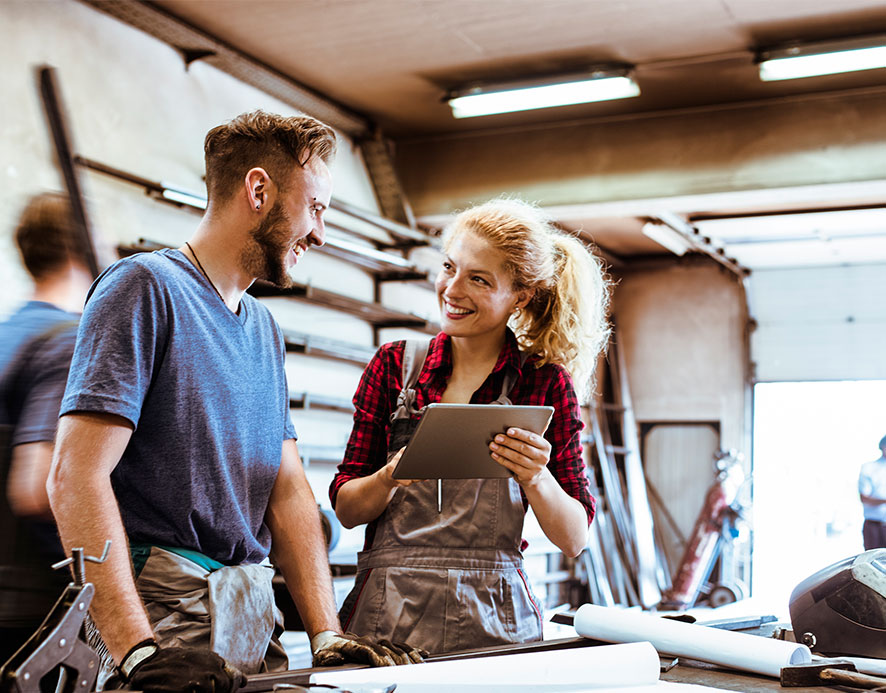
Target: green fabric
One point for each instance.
(140, 553)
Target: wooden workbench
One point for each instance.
(704, 674)
(686, 671)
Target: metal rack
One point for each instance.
(300, 343)
(310, 400)
(374, 313)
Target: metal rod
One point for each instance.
(78, 565)
(52, 105)
(398, 230)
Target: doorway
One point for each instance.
(810, 439)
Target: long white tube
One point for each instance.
(722, 647)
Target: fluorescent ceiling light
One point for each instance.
(667, 237)
(529, 95)
(183, 197)
(370, 253)
(826, 58)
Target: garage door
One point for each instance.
(822, 323)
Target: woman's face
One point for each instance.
(475, 293)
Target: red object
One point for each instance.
(701, 551)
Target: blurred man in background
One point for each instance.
(36, 346)
(872, 491)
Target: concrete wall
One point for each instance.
(682, 331)
(681, 328)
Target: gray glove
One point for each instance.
(333, 649)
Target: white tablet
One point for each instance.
(452, 440)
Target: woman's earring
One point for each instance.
(517, 312)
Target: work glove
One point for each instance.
(154, 669)
(333, 649)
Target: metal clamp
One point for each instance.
(77, 561)
(57, 644)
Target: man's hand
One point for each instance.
(332, 649)
(180, 670)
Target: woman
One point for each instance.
(522, 307)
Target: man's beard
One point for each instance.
(265, 258)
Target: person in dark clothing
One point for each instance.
(36, 346)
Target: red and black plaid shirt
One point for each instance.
(376, 399)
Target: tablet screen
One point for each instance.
(452, 440)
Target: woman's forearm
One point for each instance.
(563, 519)
(362, 500)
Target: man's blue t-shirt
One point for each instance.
(36, 345)
(206, 392)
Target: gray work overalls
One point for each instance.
(448, 580)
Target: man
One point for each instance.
(36, 345)
(175, 440)
(872, 491)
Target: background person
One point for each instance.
(36, 345)
(872, 491)
(523, 316)
(176, 441)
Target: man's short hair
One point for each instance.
(47, 235)
(272, 142)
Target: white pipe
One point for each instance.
(722, 647)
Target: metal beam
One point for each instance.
(54, 109)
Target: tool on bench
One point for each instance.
(835, 673)
(57, 642)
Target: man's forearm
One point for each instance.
(299, 549)
(870, 500)
(86, 513)
(26, 486)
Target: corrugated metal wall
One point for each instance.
(819, 323)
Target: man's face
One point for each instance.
(292, 224)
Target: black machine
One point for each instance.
(841, 609)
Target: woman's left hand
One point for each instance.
(524, 453)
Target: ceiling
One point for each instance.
(392, 61)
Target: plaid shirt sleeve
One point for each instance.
(366, 451)
(567, 463)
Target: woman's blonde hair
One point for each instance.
(565, 321)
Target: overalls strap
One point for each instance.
(415, 351)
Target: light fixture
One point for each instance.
(823, 58)
(563, 90)
(667, 237)
(182, 197)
